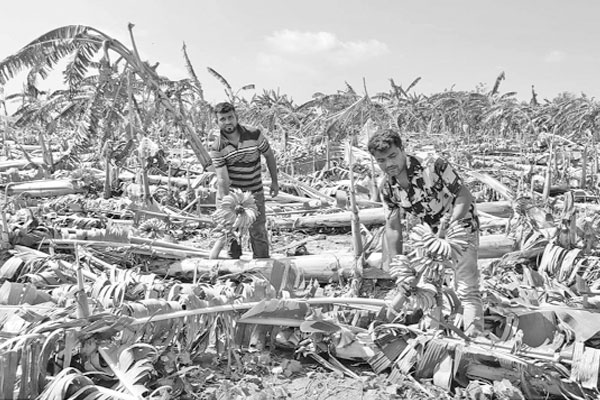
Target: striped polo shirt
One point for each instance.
(242, 161)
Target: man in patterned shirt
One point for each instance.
(236, 157)
(435, 193)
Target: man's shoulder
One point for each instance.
(415, 159)
(441, 164)
(431, 161)
(216, 142)
(251, 130)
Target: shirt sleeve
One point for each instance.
(262, 143)
(216, 155)
(448, 176)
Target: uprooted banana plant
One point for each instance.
(421, 274)
(234, 216)
(95, 353)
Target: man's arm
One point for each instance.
(455, 185)
(392, 236)
(220, 168)
(463, 201)
(272, 166)
(222, 182)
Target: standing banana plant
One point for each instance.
(83, 43)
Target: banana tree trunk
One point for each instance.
(81, 298)
(491, 247)
(107, 153)
(594, 161)
(4, 231)
(6, 165)
(583, 182)
(198, 148)
(328, 152)
(374, 216)
(156, 251)
(5, 131)
(46, 153)
(321, 267)
(355, 220)
(357, 272)
(548, 180)
(44, 188)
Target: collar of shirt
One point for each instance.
(225, 138)
(414, 169)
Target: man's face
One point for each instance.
(392, 161)
(227, 122)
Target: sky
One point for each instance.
(303, 47)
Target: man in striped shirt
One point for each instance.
(236, 157)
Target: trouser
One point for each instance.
(259, 239)
(466, 284)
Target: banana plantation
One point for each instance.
(116, 284)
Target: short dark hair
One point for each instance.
(383, 140)
(224, 107)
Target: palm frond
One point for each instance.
(96, 392)
(496, 87)
(350, 89)
(131, 366)
(45, 52)
(492, 182)
(381, 96)
(190, 69)
(87, 127)
(321, 100)
(76, 70)
(507, 95)
(397, 90)
(220, 78)
(66, 383)
(412, 84)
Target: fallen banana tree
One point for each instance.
(145, 248)
(491, 247)
(21, 163)
(403, 350)
(374, 216)
(44, 188)
(185, 311)
(321, 267)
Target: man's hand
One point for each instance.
(222, 194)
(274, 189)
(445, 220)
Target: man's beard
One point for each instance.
(393, 171)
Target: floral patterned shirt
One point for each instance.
(434, 186)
